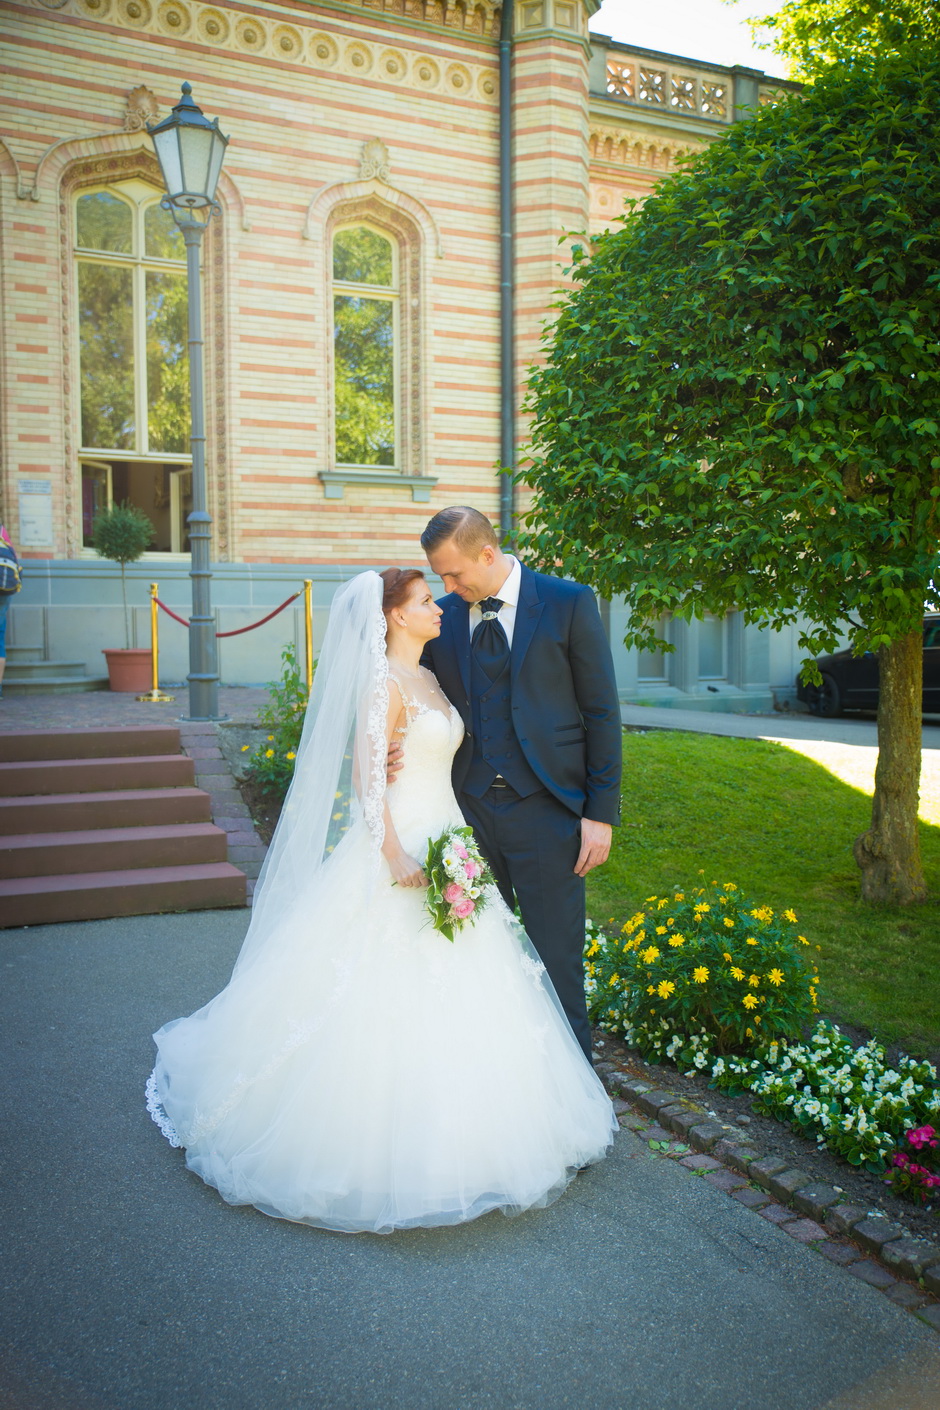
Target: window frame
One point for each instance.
(140, 264)
(380, 293)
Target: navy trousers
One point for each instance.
(532, 845)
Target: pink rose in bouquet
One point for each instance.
(464, 908)
(455, 867)
(453, 892)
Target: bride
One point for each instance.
(360, 1072)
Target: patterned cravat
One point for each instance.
(489, 643)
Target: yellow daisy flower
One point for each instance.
(660, 930)
(750, 940)
(729, 922)
(788, 915)
(700, 974)
(753, 980)
(649, 955)
(269, 753)
(665, 988)
(677, 939)
(736, 973)
(749, 1001)
(776, 976)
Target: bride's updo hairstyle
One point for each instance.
(398, 583)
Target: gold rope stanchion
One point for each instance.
(155, 696)
(308, 630)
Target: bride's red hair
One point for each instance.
(398, 583)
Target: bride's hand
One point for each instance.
(393, 762)
(406, 871)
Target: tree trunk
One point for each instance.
(889, 852)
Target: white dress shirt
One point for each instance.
(508, 595)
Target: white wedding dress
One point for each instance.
(366, 1074)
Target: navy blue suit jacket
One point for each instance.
(565, 709)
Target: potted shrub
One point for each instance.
(121, 534)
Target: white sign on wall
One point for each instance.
(35, 514)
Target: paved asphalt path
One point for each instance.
(127, 1283)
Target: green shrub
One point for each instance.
(271, 765)
(705, 967)
(122, 534)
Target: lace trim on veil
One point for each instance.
(373, 800)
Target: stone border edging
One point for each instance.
(872, 1249)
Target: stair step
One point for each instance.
(28, 670)
(30, 777)
(18, 745)
(139, 807)
(56, 685)
(16, 654)
(125, 848)
(97, 895)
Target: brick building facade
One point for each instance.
(352, 279)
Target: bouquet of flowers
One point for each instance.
(458, 879)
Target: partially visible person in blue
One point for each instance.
(10, 583)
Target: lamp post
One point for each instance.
(190, 149)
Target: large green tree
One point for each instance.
(813, 35)
(741, 401)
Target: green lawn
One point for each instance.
(782, 828)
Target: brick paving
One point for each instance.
(873, 1250)
(103, 709)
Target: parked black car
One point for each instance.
(851, 682)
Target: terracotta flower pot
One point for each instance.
(129, 670)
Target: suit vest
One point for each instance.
(496, 749)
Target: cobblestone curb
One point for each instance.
(875, 1250)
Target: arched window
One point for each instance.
(366, 341)
(132, 329)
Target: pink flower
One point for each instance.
(472, 869)
(464, 908)
(453, 892)
(460, 849)
(922, 1136)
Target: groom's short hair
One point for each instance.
(470, 530)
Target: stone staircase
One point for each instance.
(27, 673)
(97, 823)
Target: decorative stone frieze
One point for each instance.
(259, 34)
(623, 148)
(667, 88)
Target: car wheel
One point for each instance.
(829, 699)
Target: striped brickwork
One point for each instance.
(301, 88)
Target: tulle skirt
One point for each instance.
(366, 1074)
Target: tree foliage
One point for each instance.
(814, 35)
(741, 402)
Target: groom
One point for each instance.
(526, 661)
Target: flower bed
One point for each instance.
(716, 985)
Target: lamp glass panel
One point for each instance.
(103, 222)
(363, 256)
(196, 149)
(364, 364)
(168, 155)
(215, 163)
(162, 238)
(106, 344)
(167, 361)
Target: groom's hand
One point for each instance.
(393, 762)
(595, 846)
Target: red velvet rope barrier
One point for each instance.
(238, 630)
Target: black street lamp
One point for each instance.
(190, 150)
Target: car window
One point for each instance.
(931, 634)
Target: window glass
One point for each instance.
(104, 223)
(167, 364)
(711, 648)
(106, 338)
(162, 236)
(362, 256)
(364, 376)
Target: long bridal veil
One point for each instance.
(326, 849)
